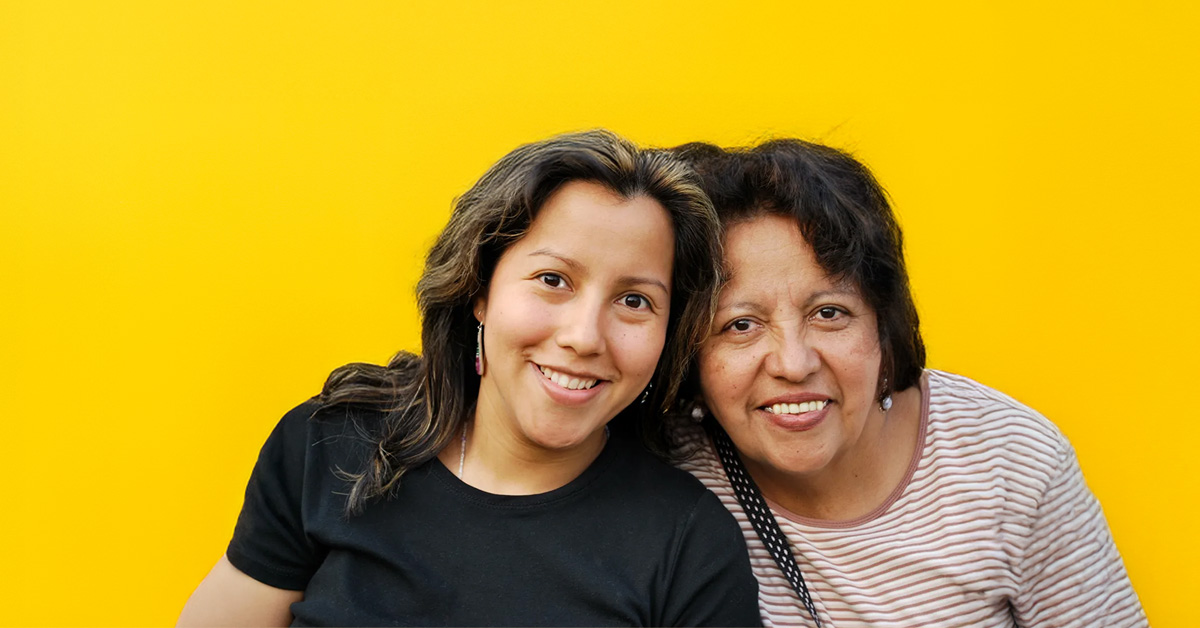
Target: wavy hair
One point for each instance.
(426, 399)
(844, 215)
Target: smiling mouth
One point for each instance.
(796, 408)
(567, 381)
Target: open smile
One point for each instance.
(796, 414)
(569, 389)
(568, 381)
(796, 408)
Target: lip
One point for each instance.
(796, 422)
(579, 374)
(799, 397)
(564, 396)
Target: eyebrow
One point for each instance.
(754, 306)
(577, 267)
(836, 292)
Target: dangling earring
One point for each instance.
(646, 393)
(479, 351)
(885, 403)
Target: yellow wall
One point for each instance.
(206, 206)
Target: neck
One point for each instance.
(859, 480)
(498, 459)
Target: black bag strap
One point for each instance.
(760, 516)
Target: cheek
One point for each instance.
(637, 348)
(866, 356)
(725, 376)
(517, 321)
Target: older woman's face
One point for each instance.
(790, 369)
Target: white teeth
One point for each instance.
(797, 408)
(566, 381)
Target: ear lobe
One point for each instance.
(479, 308)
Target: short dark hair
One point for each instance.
(844, 215)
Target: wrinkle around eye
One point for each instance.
(839, 320)
(732, 327)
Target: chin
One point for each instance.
(796, 465)
(558, 438)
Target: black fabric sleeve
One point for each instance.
(269, 542)
(712, 583)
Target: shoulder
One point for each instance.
(312, 431)
(663, 491)
(658, 477)
(973, 426)
(970, 408)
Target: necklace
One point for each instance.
(462, 451)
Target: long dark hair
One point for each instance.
(844, 215)
(426, 399)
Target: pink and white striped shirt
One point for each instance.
(991, 526)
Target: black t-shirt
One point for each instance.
(630, 542)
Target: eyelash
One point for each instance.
(837, 313)
(730, 325)
(558, 279)
(644, 305)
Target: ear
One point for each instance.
(479, 308)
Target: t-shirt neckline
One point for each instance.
(602, 463)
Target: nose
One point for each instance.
(793, 356)
(582, 327)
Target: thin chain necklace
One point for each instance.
(462, 451)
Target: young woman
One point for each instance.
(480, 484)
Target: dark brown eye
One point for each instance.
(636, 301)
(828, 313)
(741, 324)
(551, 279)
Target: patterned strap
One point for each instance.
(761, 518)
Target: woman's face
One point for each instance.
(790, 369)
(575, 316)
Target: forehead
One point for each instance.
(588, 220)
(768, 254)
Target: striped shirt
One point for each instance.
(992, 525)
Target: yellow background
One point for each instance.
(206, 206)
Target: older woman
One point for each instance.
(873, 491)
